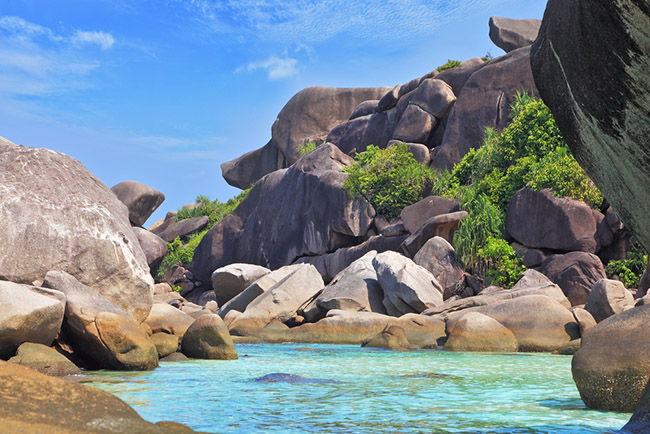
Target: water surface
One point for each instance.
(364, 391)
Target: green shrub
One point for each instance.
(177, 255)
(503, 265)
(631, 269)
(389, 179)
(306, 148)
(450, 64)
(488, 56)
(214, 210)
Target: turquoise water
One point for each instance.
(371, 391)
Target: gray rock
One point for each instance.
(175, 357)
(434, 96)
(601, 107)
(99, 330)
(477, 332)
(531, 278)
(208, 338)
(639, 423)
(443, 225)
(140, 199)
(356, 135)
(291, 213)
(182, 228)
(389, 100)
(530, 257)
(414, 125)
(509, 34)
(153, 247)
(584, 319)
(365, 108)
(439, 258)
(58, 215)
(414, 216)
(607, 298)
(575, 272)
(231, 280)
(28, 314)
(44, 359)
(457, 77)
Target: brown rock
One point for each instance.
(584, 319)
(414, 125)
(391, 338)
(509, 34)
(168, 319)
(182, 228)
(166, 344)
(575, 272)
(444, 225)
(208, 338)
(477, 332)
(414, 216)
(140, 199)
(154, 247)
(607, 298)
(44, 359)
(439, 258)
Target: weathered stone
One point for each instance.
(584, 319)
(28, 314)
(575, 272)
(414, 125)
(281, 301)
(612, 366)
(165, 343)
(182, 228)
(439, 258)
(153, 247)
(389, 99)
(408, 287)
(484, 102)
(141, 200)
(308, 116)
(175, 357)
(394, 230)
(540, 220)
(168, 319)
(160, 225)
(365, 108)
(639, 423)
(601, 106)
(414, 216)
(356, 135)
(477, 332)
(300, 211)
(457, 77)
(531, 278)
(509, 34)
(231, 280)
(44, 359)
(530, 257)
(392, 337)
(435, 97)
(607, 298)
(443, 225)
(58, 215)
(38, 403)
(208, 338)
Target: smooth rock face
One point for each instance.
(391, 338)
(477, 332)
(166, 344)
(208, 338)
(38, 403)
(182, 228)
(140, 199)
(575, 272)
(540, 220)
(444, 225)
(308, 116)
(291, 213)
(28, 314)
(154, 247)
(601, 105)
(509, 34)
(100, 330)
(531, 278)
(612, 367)
(44, 359)
(58, 215)
(231, 280)
(439, 258)
(584, 318)
(607, 298)
(484, 102)
(408, 288)
(168, 319)
(414, 216)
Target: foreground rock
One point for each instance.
(640, 421)
(165, 318)
(37, 403)
(44, 359)
(509, 34)
(231, 280)
(612, 366)
(73, 223)
(140, 199)
(28, 314)
(601, 106)
(477, 332)
(300, 211)
(607, 298)
(101, 331)
(208, 338)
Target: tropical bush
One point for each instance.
(389, 179)
(306, 148)
(629, 270)
(501, 262)
(177, 255)
(450, 64)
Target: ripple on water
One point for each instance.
(360, 390)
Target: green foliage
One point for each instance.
(488, 56)
(176, 288)
(450, 64)
(177, 255)
(215, 210)
(503, 265)
(389, 179)
(306, 148)
(631, 269)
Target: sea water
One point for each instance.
(347, 389)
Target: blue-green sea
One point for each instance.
(360, 390)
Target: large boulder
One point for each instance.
(59, 216)
(165, 318)
(290, 213)
(181, 228)
(392, 337)
(208, 338)
(308, 116)
(408, 287)
(538, 219)
(612, 366)
(443, 225)
(140, 199)
(44, 359)
(607, 298)
(639, 423)
(154, 247)
(509, 34)
(477, 332)
(414, 216)
(231, 280)
(37, 403)
(99, 330)
(28, 314)
(439, 258)
(575, 272)
(484, 101)
(601, 103)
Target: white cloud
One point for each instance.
(103, 40)
(276, 67)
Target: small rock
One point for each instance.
(208, 338)
(44, 359)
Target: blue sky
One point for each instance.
(163, 91)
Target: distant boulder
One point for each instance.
(208, 338)
(392, 337)
(154, 247)
(231, 280)
(575, 272)
(509, 34)
(140, 199)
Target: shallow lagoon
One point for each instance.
(372, 391)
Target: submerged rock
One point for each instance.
(279, 377)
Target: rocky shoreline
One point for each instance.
(301, 260)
